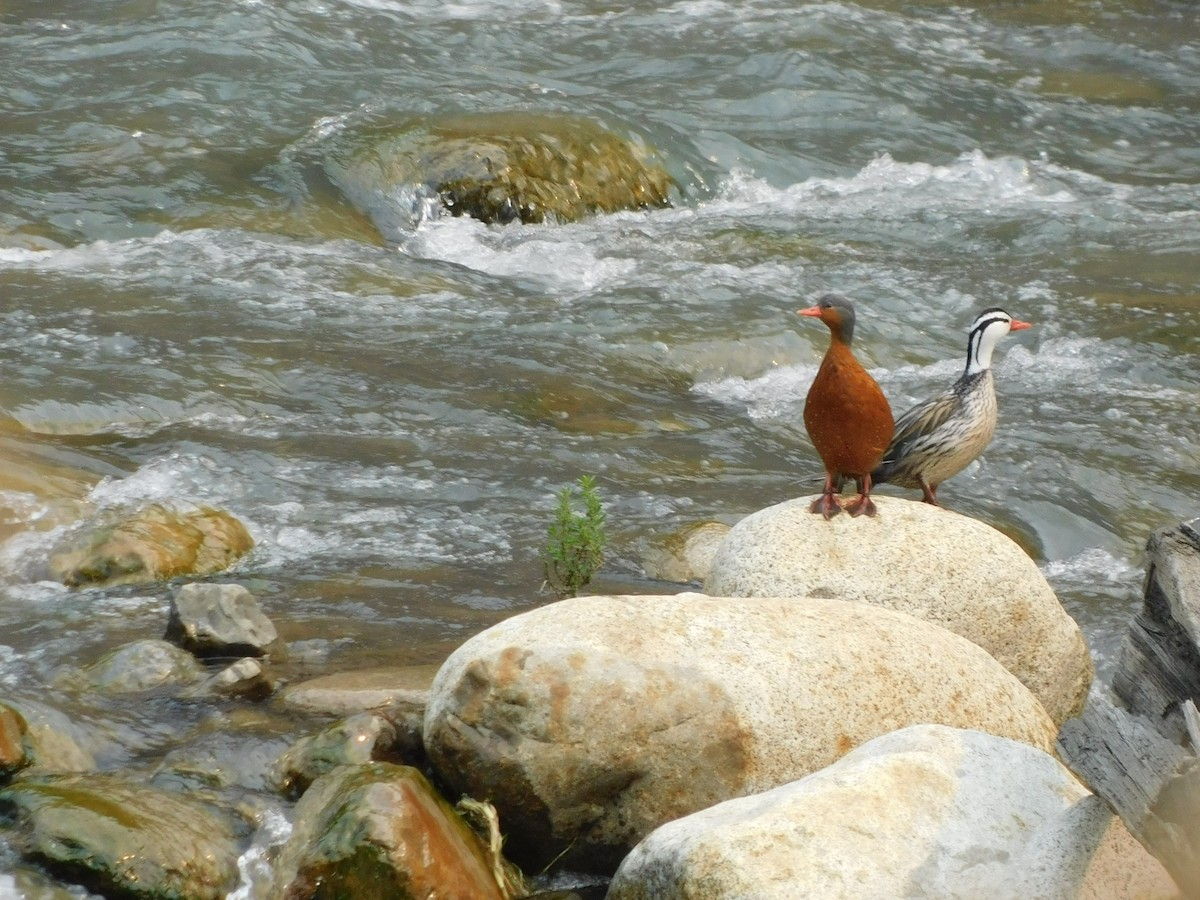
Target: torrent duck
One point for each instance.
(940, 437)
(846, 413)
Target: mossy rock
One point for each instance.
(123, 840)
(380, 830)
(154, 544)
(504, 167)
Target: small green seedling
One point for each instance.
(574, 543)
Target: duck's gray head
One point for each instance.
(835, 311)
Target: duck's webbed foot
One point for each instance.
(827, 504)
(862, 504)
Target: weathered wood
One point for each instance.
(1160, 658)
(1151, 783)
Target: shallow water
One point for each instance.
(191, 311)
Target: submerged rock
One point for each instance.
(379, 830)
(154, 544)
(343, 693)
(220, 620)
(363, 737)
(143, 666)
(926, 811)
(121, 839)
(502, 167)
(54, 743)
(686, 555)
(946, 568)
(592, 721)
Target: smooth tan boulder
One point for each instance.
(927, 811)
(945, 568)
(592, 721)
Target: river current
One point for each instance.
(389, 398)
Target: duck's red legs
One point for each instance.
(862, 504)
(929, 490)
(827, 504)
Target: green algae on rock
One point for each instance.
(377, 830)
(122, 839)
(502, 167)
(155, 543)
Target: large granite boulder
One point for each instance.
(379, 830)
(946, 568)
(927, 811)
(496, 167)
(155, 543)
(592, 721)
(121, 839)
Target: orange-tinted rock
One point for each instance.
(379, 830)
(154, 544)
(12, 740)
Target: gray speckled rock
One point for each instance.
(221, 620)
(926, 811)
(932, 563)
(590, 722)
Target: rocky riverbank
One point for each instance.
(853, 722)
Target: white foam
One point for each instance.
(1090, 568)
(254, 865)
(562, 256)
(890, 188)
(777, 393)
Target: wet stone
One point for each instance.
(221, 620)
(404, 687)
(121, 839)
(361, 738)
(13, 755)
(245, 678)
(152, 544)
(143, 666)
(379, 830)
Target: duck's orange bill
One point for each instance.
(1019, 326)
(812, 311)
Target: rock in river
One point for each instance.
(379, 830)
(499, 167)
(122, 839)
(926, 811)
(153, 544)
(592, 721)
(946, 568)
(220, 620)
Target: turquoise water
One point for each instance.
(191, 311)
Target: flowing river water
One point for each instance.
(389, 398)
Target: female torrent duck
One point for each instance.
(938, 438)
(846, 414)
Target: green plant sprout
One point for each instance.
(574, 543)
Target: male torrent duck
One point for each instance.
(938, 438)
(846, 414)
